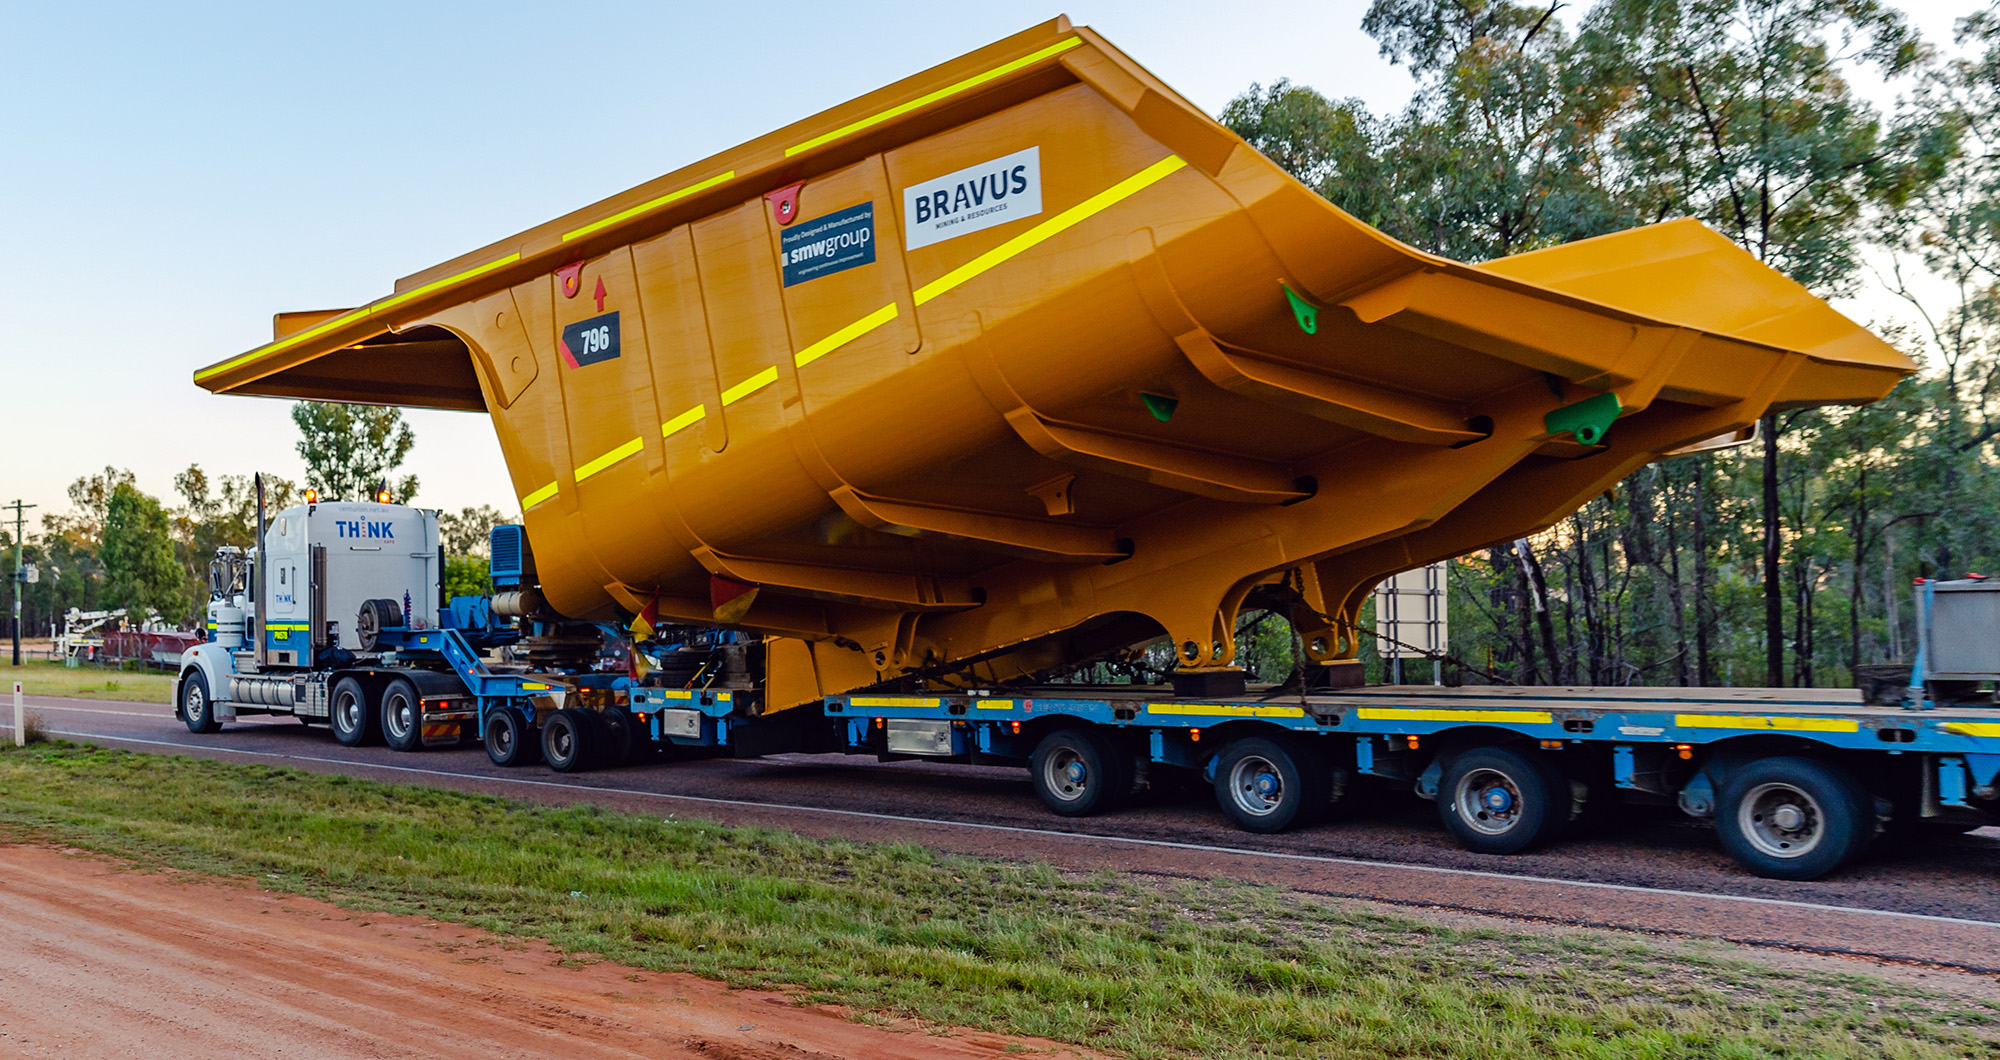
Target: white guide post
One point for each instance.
(20, 719)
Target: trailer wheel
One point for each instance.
(1495, 800)
(509, 741)
(1794, 818)
(1078, 773)
(570, 741)
(196, 706)
(1268, 785)
(622, 740)
(402, 716)
(355, 720)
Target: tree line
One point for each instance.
(1789, 562)
(120, 547)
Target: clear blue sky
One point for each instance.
(177, 173)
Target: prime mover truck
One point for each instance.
(865, 431)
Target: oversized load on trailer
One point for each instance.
(1024, 359)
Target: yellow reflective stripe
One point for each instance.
(436, 285)
(647, 206)
(1056, 225)
(1973, 728)
(1218, 710)
(351, 316)
(538, 496)
(750, 386)
(1750, 721)
(685, 419)
(282, 344)
(674, 693)
(287, 625)
(845, 335)
(1521, 717)
(630, 448)
(901, 109)
(997, 704)
(878, 701)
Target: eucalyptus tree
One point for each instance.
(1742, 114)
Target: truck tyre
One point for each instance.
(622, 738)
(402, 716)
(373, 617)
(1078, 773)
(1266, 784)
(509, 739)
(1496, 800)
(1794, 818)
(352, 713)
(197, 708)
(570, 740)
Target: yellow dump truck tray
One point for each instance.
(1025, 358)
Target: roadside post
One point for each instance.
(20, 719)
(20, 581)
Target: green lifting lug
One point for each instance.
(1587, 419)
(1161, 406)
(1306, 313)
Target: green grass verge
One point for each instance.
(87, 682)
(1131, 965)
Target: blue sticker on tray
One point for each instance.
(822, 246)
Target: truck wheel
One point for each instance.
(1794, 818)
(622, 739)
(1078, 773)
(402, 716)
(197, 709)
(509, 741)
(354, 718)
(1495, 800)
(570, 741)
(1268, 785)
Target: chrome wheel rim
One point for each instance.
(1488, 801)
(400, 717)
(1066, 774)
(197, 704)
(1256, 785)
(347, 712)
(562, 740)
(1781, 821)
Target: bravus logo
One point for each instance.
(986, 187)
(976, 197)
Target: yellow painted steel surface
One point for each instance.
(1025, 358)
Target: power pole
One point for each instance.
(20, 575)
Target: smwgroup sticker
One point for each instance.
(976, 197)
(841, 240)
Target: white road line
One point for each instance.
(1321, 859)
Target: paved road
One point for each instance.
(1938, 905)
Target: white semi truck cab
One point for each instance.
(311, 601)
